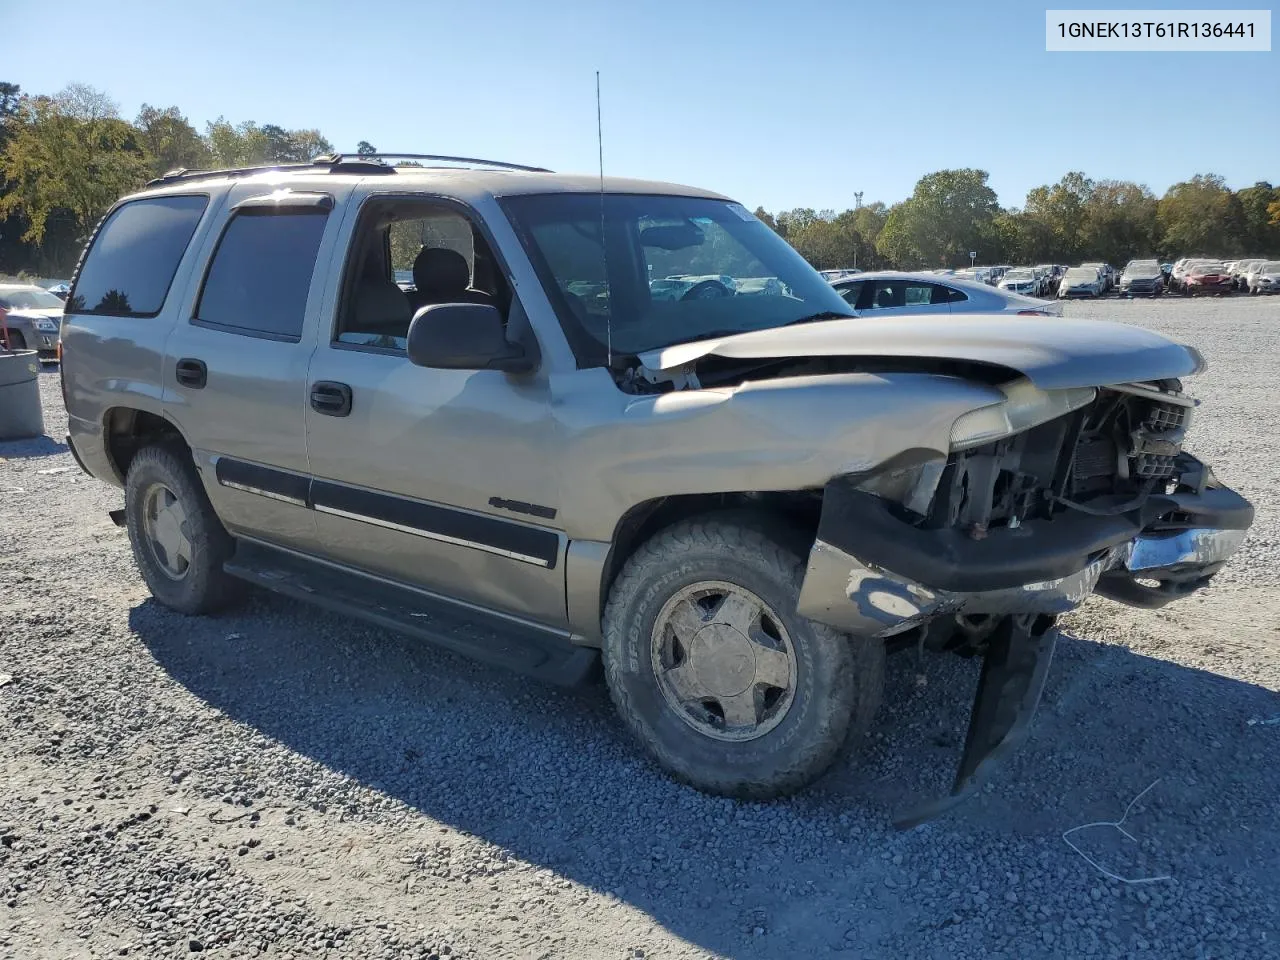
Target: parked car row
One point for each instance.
(1255, 275)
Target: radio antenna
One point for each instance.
(604, 254)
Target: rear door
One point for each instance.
(235, 364)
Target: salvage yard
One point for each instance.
(283, 782)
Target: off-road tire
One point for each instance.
(205, 588)
(839, 680)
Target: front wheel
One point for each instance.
(714, 672)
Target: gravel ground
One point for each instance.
(288, 783)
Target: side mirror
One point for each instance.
(464, 336)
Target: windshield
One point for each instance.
(29, 300)
(1087, 274)
(671, 269)
(1207, 268)
(1019, 275)
(1271, 266)
(1142, 268)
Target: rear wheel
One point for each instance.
(178, 542)
(717, 676)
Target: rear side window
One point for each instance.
(130, 265)
(261, 273)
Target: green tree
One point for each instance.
(57, 164)
(170, 141)
(1260, 233)
(1061, 210)
(1200, 216)
(248, 144)
(949, 213)
(1120, 222)
(83, 102)
(366, 149)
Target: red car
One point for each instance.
(1208, 278)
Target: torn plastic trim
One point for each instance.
(1014, 671)
(858, 598)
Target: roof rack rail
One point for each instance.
(335, 163)
(182, 173)
(344, 158)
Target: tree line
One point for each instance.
(953, 212)
(65, 158)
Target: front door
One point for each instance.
(440, 479)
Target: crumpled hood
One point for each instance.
(1053, 353)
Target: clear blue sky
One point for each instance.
(783, 103)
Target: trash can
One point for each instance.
(20, 411)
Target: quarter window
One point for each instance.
(261, 272)
(130, 265)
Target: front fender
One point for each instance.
(771, 435)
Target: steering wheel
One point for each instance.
(706, 290)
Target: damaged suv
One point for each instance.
(740, 503)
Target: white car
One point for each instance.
(1023, 281)
(1082, 281)
(832, 275)
(32, 319)
(1248, 273)
(1265, 278)
(882, 293)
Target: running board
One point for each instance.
(489, 638)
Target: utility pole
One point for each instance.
(857, 205)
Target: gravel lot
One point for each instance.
(288, 783)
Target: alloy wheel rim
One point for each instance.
(164, 530)
(724, 661)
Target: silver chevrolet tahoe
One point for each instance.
(739, 497)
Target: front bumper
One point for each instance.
(871, 573)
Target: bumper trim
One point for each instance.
(871, 574)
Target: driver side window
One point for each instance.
(406, 255)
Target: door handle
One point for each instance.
(192, 373)
(331, 398)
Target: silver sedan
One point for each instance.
(886, 293)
